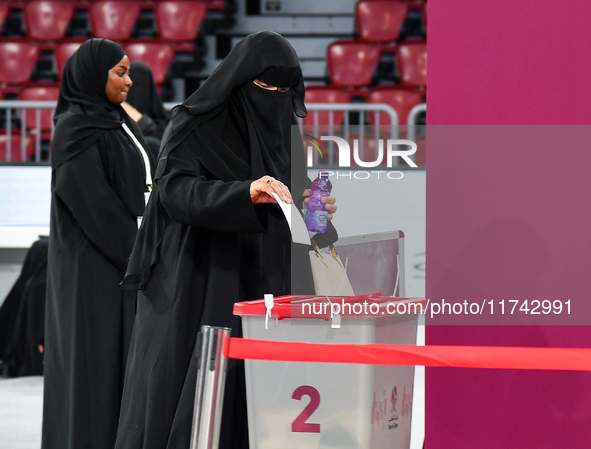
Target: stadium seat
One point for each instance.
(179, 20)
(15, 148)
(4, 12)
(380, 20)
(113, 19)
(62, 53)
(156, 56)
(17, 60)
(351, 63)
(39, 94)
(411, 58)
(47, 20)
(402, 100)
(325, 94)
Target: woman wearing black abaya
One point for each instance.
(145, 106)
(22, 316)
(98, 185)
(209, 239)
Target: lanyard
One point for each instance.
(143, 154)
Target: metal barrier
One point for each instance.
(412, 118)
(209, 393)
(19, 154)
(362, 109)
(21, 107)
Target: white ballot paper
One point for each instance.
(299, 232)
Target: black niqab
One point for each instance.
(261, 53)
(84, 115)
(255, 139)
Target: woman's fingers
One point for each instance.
(328, 200)
(261, 190)
(330, 207)
(281, 189)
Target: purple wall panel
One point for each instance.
(508, 211)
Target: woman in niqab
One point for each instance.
(211, 236)
(98, 186)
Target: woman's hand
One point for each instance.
(328, 200)
(132, 112)
(261, 191)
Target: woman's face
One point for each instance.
(119, 82)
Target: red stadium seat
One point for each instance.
(351, 63)
(325, 94)
(179, 20)
(380, 20)
(113, 19)
(411, 58)
(47, 20)
(40, 94)
(62, 53)
(156, 56)
(402, 100)
(4, 12)
(17, 60)
(15, 148)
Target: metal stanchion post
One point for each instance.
(209, 396)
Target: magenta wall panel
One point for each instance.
(508, 212)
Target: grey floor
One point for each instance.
(21, 404)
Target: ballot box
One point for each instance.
(295, 405)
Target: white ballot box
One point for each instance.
(295, 405)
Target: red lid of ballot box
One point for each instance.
(371, 305)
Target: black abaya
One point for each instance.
(22, 316)
(203, 245)
(98, 183)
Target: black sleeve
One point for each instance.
(82, 186)
(147, 126)
(326, 238)
(153, 126)
(190, 198)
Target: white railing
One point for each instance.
(345, 128)
(412, 118)
(18, 153)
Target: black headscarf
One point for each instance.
(84, 116)
(239, 131)
(83, 111)
(144, 96)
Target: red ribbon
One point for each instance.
(567, 359)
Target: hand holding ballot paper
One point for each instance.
(299, 232)
(266, 187)
(297, 226)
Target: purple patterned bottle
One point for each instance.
(317, 216)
